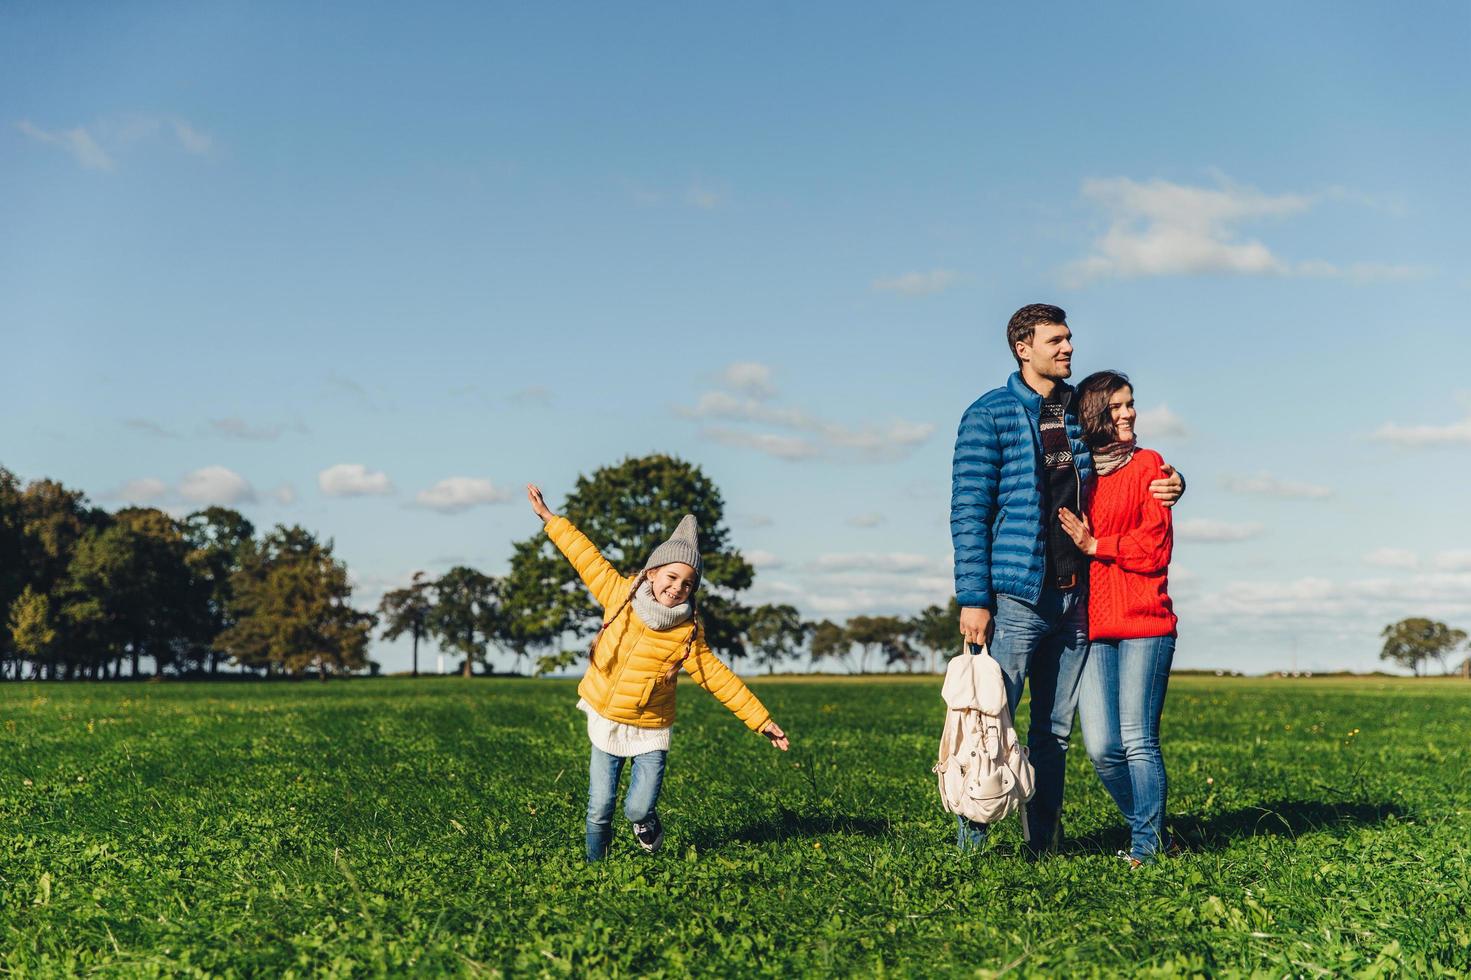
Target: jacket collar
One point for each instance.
(1032, 401)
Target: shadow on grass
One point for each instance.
(1277, 818)
(788, 824)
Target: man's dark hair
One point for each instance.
(1024, 322)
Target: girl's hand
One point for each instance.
(778, 737)
(1077, 529)
(538, 503)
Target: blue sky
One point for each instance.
(315, 261)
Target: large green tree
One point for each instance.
(407, 610)
(937, 630)
(628, 510)
(292, 611)
(829, 641)
(216, 538)
(466, 614)
(775, 633)
(1411, 642)
(13, 577)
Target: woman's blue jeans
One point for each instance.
(1123, 693)
(644, 782)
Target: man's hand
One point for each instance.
(538, 503)
(1168, 488)
(778, 737)
(977, 625)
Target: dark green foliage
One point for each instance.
(407, 611)
(775, 633)
(936, 630)
(435, 828)
(829, 641)
(218, 538)
(628, 510)
(466, 614)
(1411, 642)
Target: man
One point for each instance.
(1021, 582)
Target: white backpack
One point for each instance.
(984, 773)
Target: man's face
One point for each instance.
(1050, 353)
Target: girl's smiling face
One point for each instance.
(672, 583)
(1121, 413)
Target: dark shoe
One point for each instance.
(1046, 837)
(650, 836)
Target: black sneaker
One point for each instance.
(650, 836)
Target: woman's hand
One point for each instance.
(778, 737)
(538, 503)
(1168, 488)
(1077, 529)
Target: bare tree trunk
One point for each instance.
(416, 651)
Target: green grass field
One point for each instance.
(435, 826)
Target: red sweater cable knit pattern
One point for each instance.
(1128, 575)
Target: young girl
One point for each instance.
(650, 629)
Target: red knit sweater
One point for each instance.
(1128, 575)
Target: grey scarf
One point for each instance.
(655, 614)
(1113, 456)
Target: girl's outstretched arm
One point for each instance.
(714, 676)
(596, 572)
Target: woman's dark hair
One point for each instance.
(1094, 391)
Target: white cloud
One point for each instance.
(150, 427)
(216, 485)
(1392, 558)
(1454, 434)
(866, 520)
(1266, 485)
(869, 561)
(749, 377)
(458, 493)
(284, 494)
(819, 437)
(353, 480)
(917, 283)
(1160, 422)
(757, 520)
(764, 559)
(191, 139)
(76, 141)
(1207, 530)
(1159, 228)
(1453, 561)
(782, 447)
(144, 490)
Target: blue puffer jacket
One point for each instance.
(996, 494)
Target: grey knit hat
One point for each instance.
(683, 545)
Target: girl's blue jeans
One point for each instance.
(644, 782)
(1122, 696)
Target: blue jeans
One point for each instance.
(1123, 694)
(644, 781)
(1047, 643)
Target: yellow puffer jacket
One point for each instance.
(623, 681)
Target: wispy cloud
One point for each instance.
(77, 141)
(1160, 228)
(866, 520)
(459, 493)
(144, 490)
(764, 560)
(1392, 558)
(1212, 531)
(1159, 422)
(704, 197)
(353, 480)
(536, 395)
(1452, 434)
(917, 283)
(97, 145)
(216, 485)
(151, 428)
(237, 428)
(806, 435)
(284, 494)
(1266, 485)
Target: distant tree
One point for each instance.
(13, 566)
(407, 611)
(216, 538)
(1410, 642)
(937, 630)
(534, 612)
(466, 614)
(291, 608)
(553, 662)
(774, 633)
(31, 631)
(829, 641)
(628, 510)
(879, 633)
(899, 646)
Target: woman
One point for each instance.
(1131, 622)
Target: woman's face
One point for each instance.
(1121, 413)
(672, 583)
